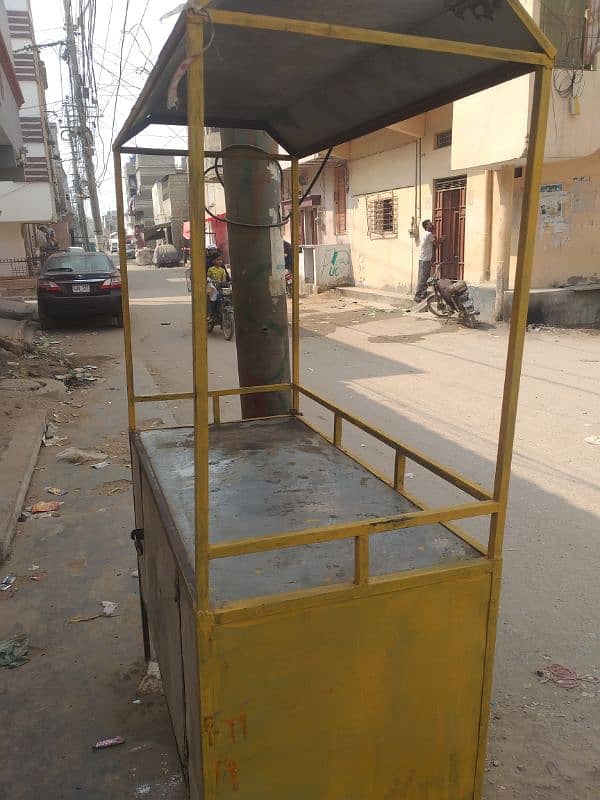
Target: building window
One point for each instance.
(443, 139)
(339, 200)
(565, 23)
(382, 217)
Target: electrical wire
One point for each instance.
(139, 25)
(568, 82)
(120, 77)
(285, 219)
(568, 77)
(110, 13)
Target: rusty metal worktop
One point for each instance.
(271, 476)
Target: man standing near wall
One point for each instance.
(428, 242)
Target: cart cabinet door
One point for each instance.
(160, 586)
(377, 698)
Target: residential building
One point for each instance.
(27, 197)
(139, 176)
(171, 208)
(11, 140)
(463, 166)
(109, 223)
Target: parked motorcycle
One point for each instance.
(289, 283)
(448, 298)
(221, 308)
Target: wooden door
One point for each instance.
(449, 221)
(309, 229)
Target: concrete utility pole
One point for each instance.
(253, 196)
(79, 208)
(81, 129)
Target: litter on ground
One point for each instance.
(13, 651)
(565, 677)
(76, 456)
(7, 582)
(44, 506)
(151, 683)
(109, 609)
(102, 744)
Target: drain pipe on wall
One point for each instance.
(416, 220)
(487, 226)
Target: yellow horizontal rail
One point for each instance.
(470, 487)
(246, 153)
(415, 501)
(159, 398)
(301, 599)
(376, 37)
(455, 529)
(349, 530)
(273, 387)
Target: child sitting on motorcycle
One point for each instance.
(218, 275)
(217, 272)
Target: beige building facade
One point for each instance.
(462, 166)
(29, 194)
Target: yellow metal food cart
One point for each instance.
(327, 639)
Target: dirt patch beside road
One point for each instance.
(46, 376)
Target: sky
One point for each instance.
(143, 39)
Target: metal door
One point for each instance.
(449, 221)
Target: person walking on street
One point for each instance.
(428, 242)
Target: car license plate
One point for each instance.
(81, 288)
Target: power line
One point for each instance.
(120, 76)
(110, 13)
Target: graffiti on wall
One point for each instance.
(334, 265)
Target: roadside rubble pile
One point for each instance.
(38, 358)
(44, 358)
(40, 375)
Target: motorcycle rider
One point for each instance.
(218, 275)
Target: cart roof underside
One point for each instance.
(310, 93)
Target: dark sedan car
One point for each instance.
(76, 283)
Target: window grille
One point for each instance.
(382, 217)
(443, 139)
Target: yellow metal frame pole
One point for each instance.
(514, 359)
(195, 38)
(124, 292)
(204, 621)
(518, 323)
(295, 285)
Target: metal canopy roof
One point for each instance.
(310, 92)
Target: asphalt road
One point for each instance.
(437, 388)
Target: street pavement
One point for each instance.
(435, 387)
